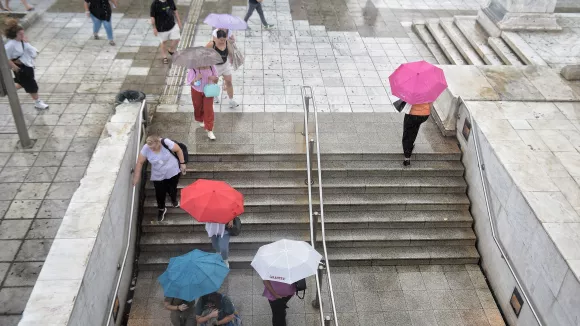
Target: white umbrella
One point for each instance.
(286, 261)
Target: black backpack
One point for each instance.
(183, 149)
(300, 286)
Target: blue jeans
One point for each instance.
(97, 26)
(222, 244)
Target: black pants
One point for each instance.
(279, 307)
(411, 126)
(163, 187)
(257, 7)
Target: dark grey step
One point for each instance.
(333, 169)
(346, 256)
(185, 242)
(396, 156)
(249, 186)
(333, 220)
(344, 202)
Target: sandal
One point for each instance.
(165, 60)
(170, 53)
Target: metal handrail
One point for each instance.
(314, 223)
(482, 173)
(140, 132)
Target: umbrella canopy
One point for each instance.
(225, 21)
(417, 82)
(192, 275)
(286, 261)
(196, 57)
(212, 201)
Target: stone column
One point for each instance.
(520, 15)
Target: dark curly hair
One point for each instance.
(12, 28)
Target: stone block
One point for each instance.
(571, 72)
(445, 112)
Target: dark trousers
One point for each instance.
(163, 187)
(257, 7)
(411, 126)
(279, 307)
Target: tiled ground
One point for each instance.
(396, 296)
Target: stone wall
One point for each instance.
(76, 284)
(544, 273)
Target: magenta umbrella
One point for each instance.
(225, 21)
(417, 82)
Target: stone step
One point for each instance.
(421, 30)
(504, 51)
(522, 49)
(251, 239)
(344, 202)
(183, 222)
(478, 38)
(454, 155)
(361, 256)
(249, 186)
(461, 43)
(333, 169)
(445, 42)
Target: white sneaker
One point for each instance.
(210, 135)
(40, 105)
(233, 104)
(216, 100)
(227, 263)
(201, 124)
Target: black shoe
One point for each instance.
(175, 203)
(407, 162)
(170, 53)
(161, 214)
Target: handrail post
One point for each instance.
(311, 151)
(306, 107)
(316, 301)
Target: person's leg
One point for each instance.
(208, 116)
(96, 26)
(229, 86)
(224, 244)
(172, 189)
(108, 29)
(278, 307)
(251, 8)
(26, 5)
(163, 50)
(411, 126)
(197, 100)
(175, 318)
(215, 243)
(160, 193)
(261, 13)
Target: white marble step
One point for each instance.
(504, 52)
(445, 43)
(478, 38)
(421, 30)
(522, 49)
(461, 42)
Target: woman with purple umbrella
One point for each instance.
(418, 84)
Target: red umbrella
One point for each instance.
(417, 82)
(212, 201)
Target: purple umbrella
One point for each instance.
(225, 21)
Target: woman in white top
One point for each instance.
(220, 238)
(21, 59)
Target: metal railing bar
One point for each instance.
(481, 168)
(140, 132)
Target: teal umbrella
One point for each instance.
(192, 275)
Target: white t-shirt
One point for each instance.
(22, 51)
(163, 164)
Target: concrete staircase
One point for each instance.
(462, 41)
(377, 212)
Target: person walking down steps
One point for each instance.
(21, 60)
(257, 5)
(165, 170)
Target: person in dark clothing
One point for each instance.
(418, 114)
(100, 13)
(182, 312)
(166, 25)
(278, 295)
(256, 5)
(221, 307)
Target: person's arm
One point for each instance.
(115, 3)
(177, 150)
(201, 320)
(209, 45)
(87, 9)
(268, 286)
(171, 307)
(138, 168)
(230, 51)
(152, 14)
(226, 319)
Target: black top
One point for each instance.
(254, 1)
(164, 14)
(223, 53)
(101, 9)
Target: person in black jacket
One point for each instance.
(100, 13)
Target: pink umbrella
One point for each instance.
(417, 82)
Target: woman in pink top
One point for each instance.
(278, 295)
(202, 105)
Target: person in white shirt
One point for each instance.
(21, 60)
